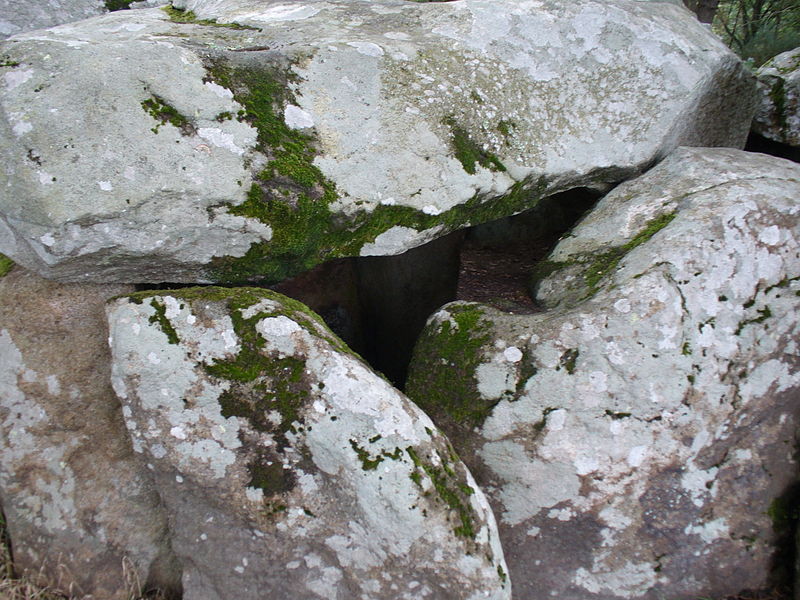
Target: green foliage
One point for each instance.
(768, 44)
(757, 30)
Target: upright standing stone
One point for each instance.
(637, 440)
(778, 114)
(80, 507)
(289, 469)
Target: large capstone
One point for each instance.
(81, 510)
(637, 440)
(239, 140)
(288, 468)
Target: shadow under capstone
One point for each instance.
(398, 293)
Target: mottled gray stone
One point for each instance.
(419, 118)
(778, 113)
(17, 16)
(635, 440)
(81, 510)
(289, 469)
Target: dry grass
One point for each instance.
(16, 588)
(13, 588)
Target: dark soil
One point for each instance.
(499, 276)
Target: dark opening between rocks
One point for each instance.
(489, 263)
(379, 305)
(758, 143)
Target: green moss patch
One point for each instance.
(449, 486)
(596, 266)
(114, 5)
(164, 323)
(6, 264)
(290, 194)
(469, 153)
(442, 377)
(777, 94)
(187, 17)
(368, 463)
(763, 314)
(161, 111)
(568, 360)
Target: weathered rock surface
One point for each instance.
(778, 113)
(17, 16)
(290, 469)
(80, 508)
(635, 442)
(179, 146)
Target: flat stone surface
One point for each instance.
(637, 440)
(252, 140)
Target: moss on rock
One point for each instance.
(162, 111)
(293, 197)
(6, 264)
(448, 485)
(595, 266)
(442, 378)
(187, 17)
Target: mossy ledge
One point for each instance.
(187, 17)
(293, 197)
(597, 265)
(442, 378)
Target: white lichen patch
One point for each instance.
(625, 582)
(17, 77)
(48, 501)
(395, 240)
(148, 353)
(282, 334)
(297, 118)
(367, 48)
(710, 531)
(220, 139)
